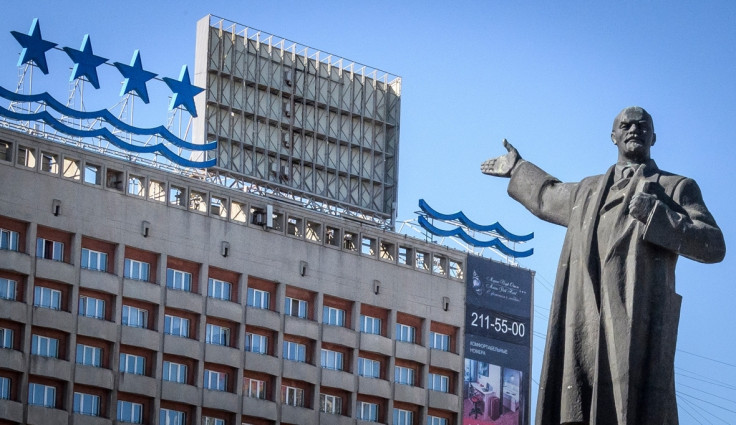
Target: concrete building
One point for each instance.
(131, 294)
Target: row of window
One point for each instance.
(133, 412)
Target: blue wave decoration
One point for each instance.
(462, 218)
(458, 232)
(107, 135)
(107, 116)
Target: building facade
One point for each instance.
(133, 295)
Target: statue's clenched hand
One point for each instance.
(502, 165)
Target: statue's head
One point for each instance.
(633, 134)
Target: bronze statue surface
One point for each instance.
(609, 355)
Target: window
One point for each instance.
(136, 270)
(295, 307)
(47, 298)
(369, 368)
(130, 412)
(215, 380)
(7, 289)
(256, 343)
(217, 335)
(86, 404)
(331, 359)
(89, 355)
(206, 420)
(135, 317)
(439, 341)
(49, 162)
(292, 396)
(8, 240)
(92, 174)
(91, 307)
(94, 260)
(258, 298)
(171, 417)
(179, 280)
(330, 404)
(50, 250)
(219, 289)
(4, 388)
(254, 388)
(6, 338)
(435, 420)
(438, 382)
(177, 326)
(44, 346)
(370, 325)
(41, 395)
(130, 363)
(404, 375)
(367, 411)
(295, 351)
(405, 333)
(175, 372)
(403, 417)
(333, 316)
(26, 157)
(136, 186)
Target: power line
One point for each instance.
(708, 358)
(706, 402)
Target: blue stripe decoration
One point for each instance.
(462, 218)
(460, 233)
(107, 135)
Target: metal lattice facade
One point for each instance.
(297, 120)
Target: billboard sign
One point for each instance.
(498, 333)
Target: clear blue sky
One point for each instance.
(549, 76)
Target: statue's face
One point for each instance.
(633, 134)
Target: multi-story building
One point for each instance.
(134, 295)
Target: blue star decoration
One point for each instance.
(135, 77)
(184, 91)
(34, 47)
(85, 62)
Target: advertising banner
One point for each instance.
(498, 331)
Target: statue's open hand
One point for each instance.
(502, 165)
(641, 205)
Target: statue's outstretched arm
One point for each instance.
(502, 165)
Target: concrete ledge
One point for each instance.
(444, 401)
(376, 344)
(184, 300)
(224, 309)
(414, 352)
(139, 337)
(262, 318)
(89, 420)
(11, 410)
(263, 363)
(138, 384)
(221, 400)
(445, 360)
(12, 359)
(408, 394)
(15, 261)
(56, 271)
(97, 328)
(340, 335)
(298, 415)
(39, 415)
(53, 319)
(374, 386)
(50, 367)
(180, 393)
(338, 379)
(301, 327)
(13, 310)
(300, 371)
(93, 376)
(222, 355)
(182, 346)
(331, 419)
(99, 281)
(139, 290)
(261, 408)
